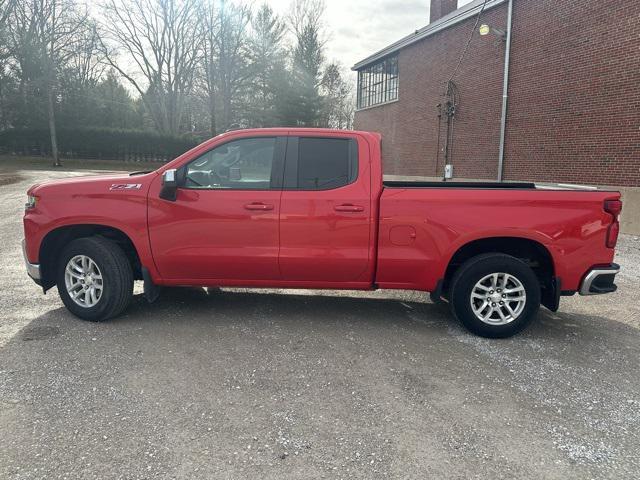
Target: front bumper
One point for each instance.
(600, 280)
(33, 269)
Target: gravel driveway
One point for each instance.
(241, 384)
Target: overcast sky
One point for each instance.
(359, 28)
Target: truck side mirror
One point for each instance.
(169, 185)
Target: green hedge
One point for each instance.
(97, 143)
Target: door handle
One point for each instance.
(258, 206)
(348, 208)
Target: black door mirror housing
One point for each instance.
(169, 185)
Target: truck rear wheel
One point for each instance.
(94, 279)
(495, 295)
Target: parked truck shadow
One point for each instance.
(224, 306)
(201, 309)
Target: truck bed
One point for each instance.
(433, 220)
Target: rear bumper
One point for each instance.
(33, 269)
(600, 280)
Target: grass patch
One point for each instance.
(9, 178)
(10, 163)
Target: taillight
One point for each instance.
(612, 234)
(613, 208)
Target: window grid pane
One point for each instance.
(378, 83)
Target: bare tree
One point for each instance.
(6, 8)
(86, 63)
(155, 45)
(44, 34)
(304, 13)
(226, 59)
(195, 65)
(208, 64)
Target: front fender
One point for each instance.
(91, 201)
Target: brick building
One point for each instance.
(573, 111)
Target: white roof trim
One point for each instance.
(443, 23)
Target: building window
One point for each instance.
(378, 82)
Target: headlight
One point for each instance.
(32, 200)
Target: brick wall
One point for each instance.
(574, 106)
(440, 8)
(574, 112)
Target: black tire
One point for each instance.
(474, 270)
(117, 278)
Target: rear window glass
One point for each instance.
(326, 163)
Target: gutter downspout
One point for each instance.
(505, 91)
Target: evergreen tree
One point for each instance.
(338, 102)
(268, 62)
(308, 58)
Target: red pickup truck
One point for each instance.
(308, 208)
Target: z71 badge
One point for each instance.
(125, 186)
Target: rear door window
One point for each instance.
(318, 163)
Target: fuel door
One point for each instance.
(402, 235)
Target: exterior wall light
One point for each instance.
(486, 30)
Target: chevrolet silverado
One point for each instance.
(308, 208)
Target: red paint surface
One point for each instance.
(354, 237)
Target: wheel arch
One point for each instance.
(55, 240)
(535, 254)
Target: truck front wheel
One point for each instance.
(495, 295)
(94, 279)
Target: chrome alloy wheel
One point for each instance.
(498, 299)
(83, 281)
